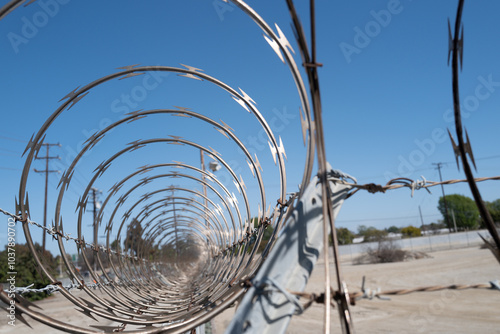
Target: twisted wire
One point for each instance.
(233, 246)
(67, 236)
(319, 298)
(407, 183)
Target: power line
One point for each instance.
(427, 168)
(483, 158)
(9, 168)
(383, 176)
(10, 151)
(14, 139)
(9, 155)
(74, 179)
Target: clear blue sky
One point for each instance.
(386, 91)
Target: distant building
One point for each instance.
(358, 240)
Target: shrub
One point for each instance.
(386, 251)
(410, 232)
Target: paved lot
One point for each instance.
(449, 311)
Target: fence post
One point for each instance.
(288, 266)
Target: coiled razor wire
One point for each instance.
(152, 288)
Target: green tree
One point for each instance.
(494, 209)
(370, 233)
(27, 270)
(464, 209)
(411, 232)
(115, 245)
(393, 229)
(344, 236)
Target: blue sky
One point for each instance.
(386, 91)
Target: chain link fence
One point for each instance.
(427, 243)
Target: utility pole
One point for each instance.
(438, 167)
(95, 193)
(421, 219)
(46, 171)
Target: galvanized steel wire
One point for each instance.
(153, 289)
(148, 285)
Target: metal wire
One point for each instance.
(220, 227)
(153, 290)
(408, 183)
(370, 294)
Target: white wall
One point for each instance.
(424, 243)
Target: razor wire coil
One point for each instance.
(152, 287)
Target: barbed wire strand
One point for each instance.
(55, 233)
(57, 286)
(370, 294)
(405, 182)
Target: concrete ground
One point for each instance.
(448, 311)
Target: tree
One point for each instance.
(27, 270)
(133, 241)
(410, 232)
(115, 245)
(464, 209)
(393, 229)
(494, 209)
(344, 236)
(371, 233)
